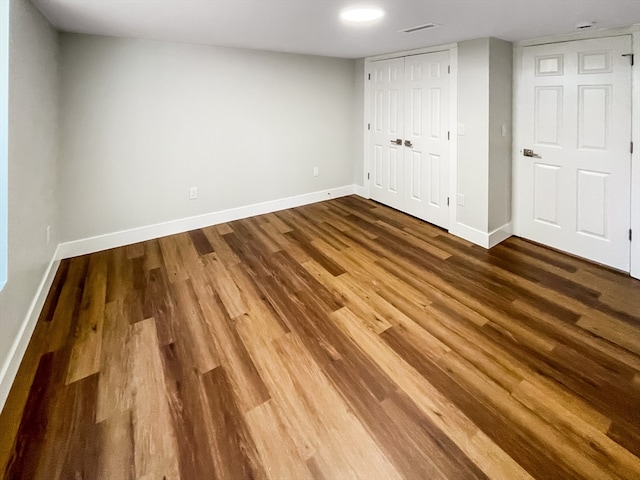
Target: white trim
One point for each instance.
(483, 239)
(635, 158)
(581, 35)
(367, 132)
(516, 139)
(148, 232)
(500, 234)
(453, 142)
(408, 53)
(18, 348)
(361, 191)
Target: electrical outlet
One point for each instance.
(193, 193)
(48, 234)
(316, 171)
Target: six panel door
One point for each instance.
(387, 128)
(426, 158)
(410, 149)
(573, 193)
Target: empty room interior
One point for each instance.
(319, 239)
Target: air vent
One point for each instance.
(583, 25)
(419, 28)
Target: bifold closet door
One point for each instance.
(409, 140)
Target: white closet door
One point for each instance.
(387, 129)
(426, 154)
(573, 185)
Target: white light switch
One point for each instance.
(193, 193)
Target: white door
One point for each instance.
(409, 132)
(426, 154)
(387, 96)
(573, 184)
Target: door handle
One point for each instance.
(527, 152)
(397, 141)
(407, 143)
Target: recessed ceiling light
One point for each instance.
(361, 15)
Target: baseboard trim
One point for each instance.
(20, 343)
(483, 239)
(361, 191)
(500, 234)
(149, 232)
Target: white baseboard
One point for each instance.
(500, 234)
(361, 191)
(484, 239)
(12, 361)
(141, 234)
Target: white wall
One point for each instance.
(33, 97)
(143, 121)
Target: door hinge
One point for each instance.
(368, 176)
(448, 68)
(448, 135)
(629, 55)
(447, 201)
(631, 148)
(369, 76)
(630, 235)
(368, 126)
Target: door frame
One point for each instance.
(634, 31)
(452, 48)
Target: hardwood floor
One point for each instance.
(339, 340)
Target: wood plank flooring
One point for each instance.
(340, 340)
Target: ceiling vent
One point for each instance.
(419, 28)
(583, 25)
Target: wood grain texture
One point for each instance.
(338, 340)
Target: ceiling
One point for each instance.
(312, 26)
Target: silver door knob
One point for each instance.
(397, 141)
(527, 152)
(407, 143)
